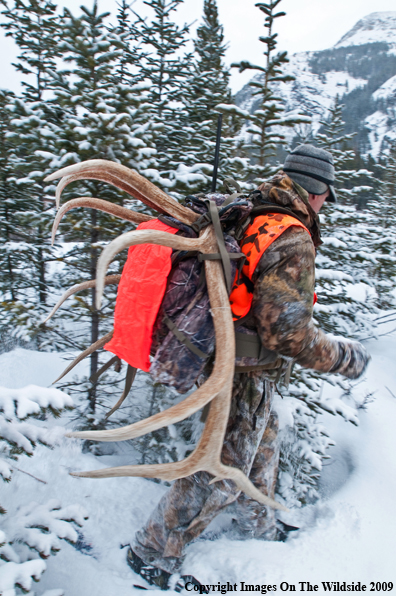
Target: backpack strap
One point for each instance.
(250, 346)
(229, 183)
(271, 208)
(183, 339)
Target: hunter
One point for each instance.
(282, 285)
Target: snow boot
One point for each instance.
(153, 575)
(158, 577)
(185, 579)
(283, 530)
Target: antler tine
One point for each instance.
(61, 186)
(128, 180)
(203, 244)
(86, 285)
(203, 458)
(100, 205)
(176, 413)
(96, 346)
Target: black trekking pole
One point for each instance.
(217, 152)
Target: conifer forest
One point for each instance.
(145, 92)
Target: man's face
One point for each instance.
(316, 201)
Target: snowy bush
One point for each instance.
(20, 437)
(35, 531)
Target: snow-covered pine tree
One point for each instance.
(388, 187)
(123, 38)
(33, 26)
(31, 532)
(10, 270)
(353, 186)
(266, 126)
(207, 87)
(33, 128)
(131, 94)
(103, 118)
(166, 67)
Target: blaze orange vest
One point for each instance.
(257, 238)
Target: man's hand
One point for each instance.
(352, 361)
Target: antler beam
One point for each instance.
(125, 179)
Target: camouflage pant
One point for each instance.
(191, 503)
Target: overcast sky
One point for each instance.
(308, 25)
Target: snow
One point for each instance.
(348, 535)
(378, 126)
(375, 27)
(29, 400)
(43, 368)
(387, 90)
(22, 574)
(360, 292)
(332, 274)
(310, 92)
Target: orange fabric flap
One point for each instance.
(140, 293)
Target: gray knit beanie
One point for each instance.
(313, 169)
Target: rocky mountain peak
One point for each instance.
(375, 27)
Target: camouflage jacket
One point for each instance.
(284, 287)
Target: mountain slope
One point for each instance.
(361, 70)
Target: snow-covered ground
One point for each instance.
(348, 535)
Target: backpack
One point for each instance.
(183, 340)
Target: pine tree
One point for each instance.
(352, 185)
(106, 119)
(9, 195)
(207, 87)
(166, 69)
(266, 126)
(123, 38)
(33, 127)
(29, 527)
(33, 26)
(388, 187)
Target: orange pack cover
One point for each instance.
(140, 293)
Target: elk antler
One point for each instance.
(96, 346)
(86, 285)
(218, 387)
(124, 179)
(100, 205)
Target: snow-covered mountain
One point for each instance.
(377, 26)
(360, 69)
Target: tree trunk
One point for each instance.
(42, 288)
(94, 312)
